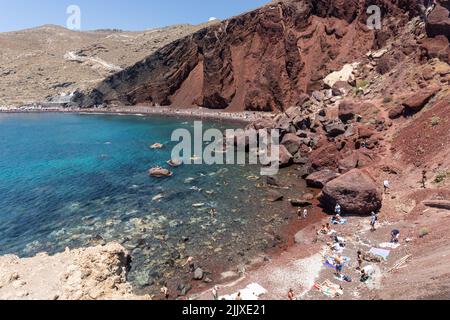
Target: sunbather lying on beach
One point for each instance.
(330, 289)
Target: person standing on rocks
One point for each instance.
(338, 209)
(305, 213)
(387, 186)
(424, 179)
(395, 235)
(360, 259)
(373, 221)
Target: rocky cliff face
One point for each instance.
(97, 273)
(265, 60)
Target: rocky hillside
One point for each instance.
(267, 59)
(52, 60)
(386, 117)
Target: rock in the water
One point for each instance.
(159, 172)
(320, 178)
(274, 196)
(355, 191)
(273, 181)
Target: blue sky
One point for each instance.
(120, 14)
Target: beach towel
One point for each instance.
(343, 221)
(257, 289)
(343, 278)
(380, 252)
(389, 245)
(251, 293)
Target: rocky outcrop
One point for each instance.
(355, 191)
(96, 273)
(263, 60)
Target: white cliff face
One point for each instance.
(96, 273)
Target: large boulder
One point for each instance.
(437, 47)
(438, 22)
(320, 178)
(418, 100)
(355, 191)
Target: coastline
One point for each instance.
(182, 113)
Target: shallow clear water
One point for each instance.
(71, 180)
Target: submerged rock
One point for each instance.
(274, 196)
(159, 172)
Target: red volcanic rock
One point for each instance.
(320, 178)
(349, 163)
(438, 22)
(396, 111)
(418, 100)
(261, 124)
(356, 159)
(366, 131)
(355, 191)
(437, 47)
(325, 157)
(264, 60)
(347, 110)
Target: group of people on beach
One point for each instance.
(339, 243)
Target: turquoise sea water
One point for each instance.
(78, 180)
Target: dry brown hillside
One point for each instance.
(50, 60)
